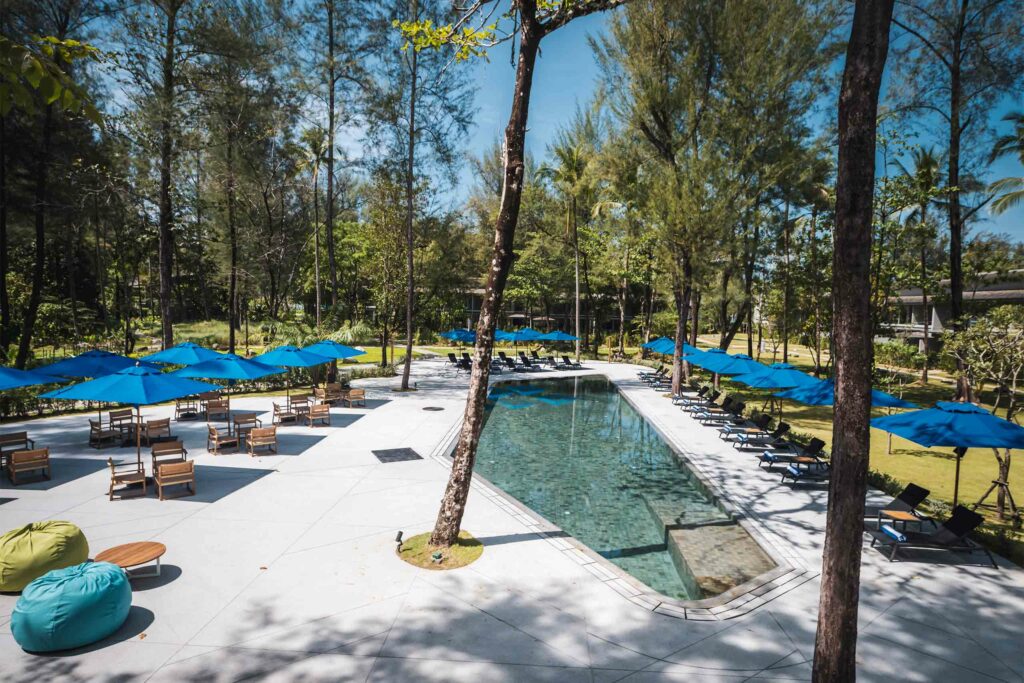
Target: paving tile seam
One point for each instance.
(506, 623)
(929, 655)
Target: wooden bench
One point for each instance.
(167, 451)
(186, 407)
(28, 461)
(174, 474)
(219, 407)
(121, 419)
(261, 437)
(355, 396)
(216, 440)
(156, 429)
(126, 475)
(16, 441)
(332, 392)
(282, 415)
(320, 412)
(98, 434)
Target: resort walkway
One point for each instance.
(283, 567)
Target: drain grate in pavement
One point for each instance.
(433, 409)
(397, 455)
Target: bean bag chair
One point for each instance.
(71, 607)
(34, 549)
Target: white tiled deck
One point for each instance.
(283, 567)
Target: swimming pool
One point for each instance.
(575, 451)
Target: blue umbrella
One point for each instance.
(13, 378)
(957, 425)
(334, 350)
(777, 376)
(94, 363)
(291, 357)
(137, 386)
(650, 344)
(185, 353)
(667, 347)
(525, 334)
(557, 336)
(822, 393)
(229, 366)
(464, 336)
(721, 363)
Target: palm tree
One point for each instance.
(314, 149)
(925, 177)
(1011, 188)
(569, 175)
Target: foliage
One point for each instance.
(41, 65)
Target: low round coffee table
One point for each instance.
(134, 554)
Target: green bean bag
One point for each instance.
(34, 549)
(71, 607)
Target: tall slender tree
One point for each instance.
(835, 647)
(959, 58)
(468, 35)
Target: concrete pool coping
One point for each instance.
(789, 572)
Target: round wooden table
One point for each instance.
(133, 555)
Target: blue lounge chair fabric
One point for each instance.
(71, 607)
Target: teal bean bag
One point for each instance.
(71, 607)
(29, 552)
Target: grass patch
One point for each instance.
(417, 551)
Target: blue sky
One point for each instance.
(567, 74)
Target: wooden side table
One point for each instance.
(899, 517)
(134, 554)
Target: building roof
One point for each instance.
(1005, 286)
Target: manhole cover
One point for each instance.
(397, 455)
(433, 409)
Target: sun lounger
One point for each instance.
(528, 364)
(699, 402)
(814, 473)
(907, 501)
(757, 425)
(733, 413)
(784, 457)
(951, 535)
(687, 396)
(569, 363)
(643, 374)
(711, 407)
(511, 364)
(762, 440)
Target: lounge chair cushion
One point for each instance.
(891, 532)
(28, 552)
(71, 607)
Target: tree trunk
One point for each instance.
(332, 267)
(956, 277)
(815, 291)
(410, 280)
(166, 238)
(835, 647)
(233, 240)
(453, 504)
(316, 244)
(5, 302)
(785, 287)
(38, 268)
(926, 317)
(576, 266)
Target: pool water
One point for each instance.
(576, 452)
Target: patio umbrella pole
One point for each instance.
(138, 435)
(960, 453)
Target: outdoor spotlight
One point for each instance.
(398, 540)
